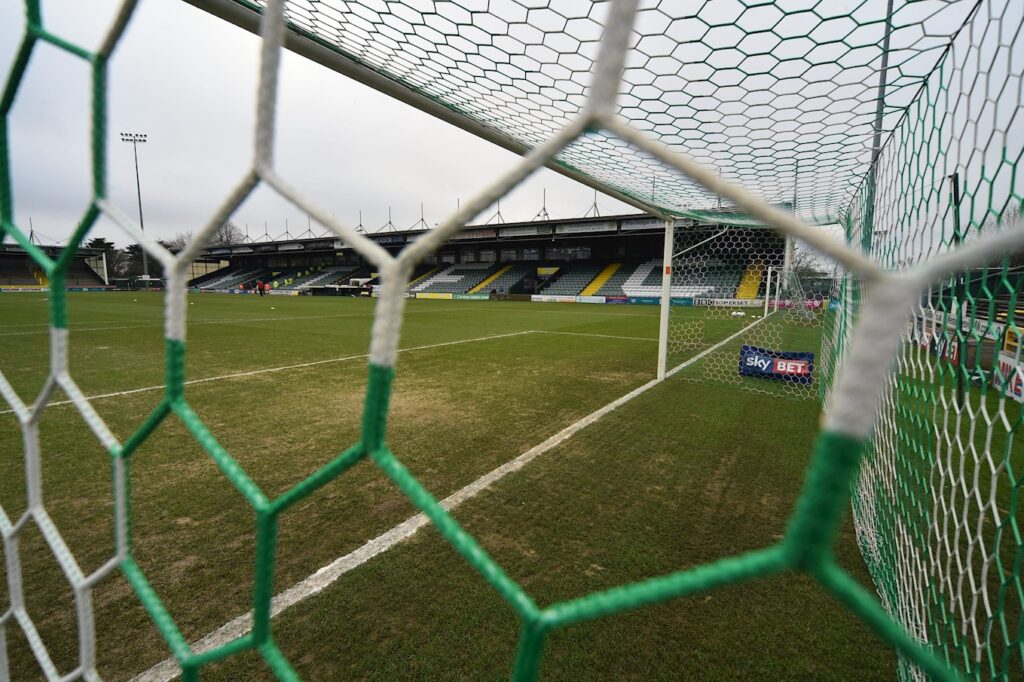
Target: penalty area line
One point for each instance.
(707, 351)
(599, 336)
(327, 575)
(159, 324)
(266, 370)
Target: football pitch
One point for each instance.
(682, 474)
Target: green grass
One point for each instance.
(683, 475)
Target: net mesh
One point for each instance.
(766, 92)
(937, 504)
(773, 95)
(740, 284)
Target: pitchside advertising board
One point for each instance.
(792, 366)
(1009, 376)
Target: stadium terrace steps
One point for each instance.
(202, 280)
(455, 279)
(419, 278)
(231, 279)
(359, 272)
(636, 284)
(599, 281)
(750, 284)
(81, 275)
(316, 278)
(14, 272)
(490, 278)
(613, 287)
(572, 278)
(276, 277)
(698, 277)
(511, 277)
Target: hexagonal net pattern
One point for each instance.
(770, 93)
(945, 548)
(725, 279)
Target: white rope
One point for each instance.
(780, 220)
(611, 59)
(271, 34)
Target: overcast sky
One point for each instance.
(188, 80)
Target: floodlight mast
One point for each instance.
(135, 139)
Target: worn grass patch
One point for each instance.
(685, 474)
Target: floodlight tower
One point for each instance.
(135, 139)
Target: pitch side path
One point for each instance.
(678, 476)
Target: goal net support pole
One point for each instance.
(666, 296)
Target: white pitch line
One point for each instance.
(322, 578)
(562, 310)
(707, 351)
(240, 320)
(598, 336)
(237, 375)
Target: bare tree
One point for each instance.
(179, 241)
(808, 264)
(227, 234)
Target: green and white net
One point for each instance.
(737, 289)
(862, 111)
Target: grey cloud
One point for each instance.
(188, 80)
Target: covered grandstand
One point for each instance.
(19, 273)
(605, 257)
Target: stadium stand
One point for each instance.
(320, 277)
(203, 280)
(275, 277)
(752, 281)
(704, 277)
(455, 279)
(420, 274)
(606, 274)
(613, 287)
(15, 272)
(81, 275)
(571, 279)
(507, 280)
(18, 271)
(358, 272)
(231, 280)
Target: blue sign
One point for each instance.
(645, 300)
(793, 366)
(681, 300)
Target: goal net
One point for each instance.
(741, 313)
(900, 121)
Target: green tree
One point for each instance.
(115, 257)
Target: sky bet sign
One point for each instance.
(794, 367)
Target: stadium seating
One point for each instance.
(202, 281)
(511, 277)
(571, 279)
(276, 277)
(15, 272)
(21, 272)
(613, 287)
(455, 279)
(697, 277)
(81, 275)
(321, 277)
(231, 280)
